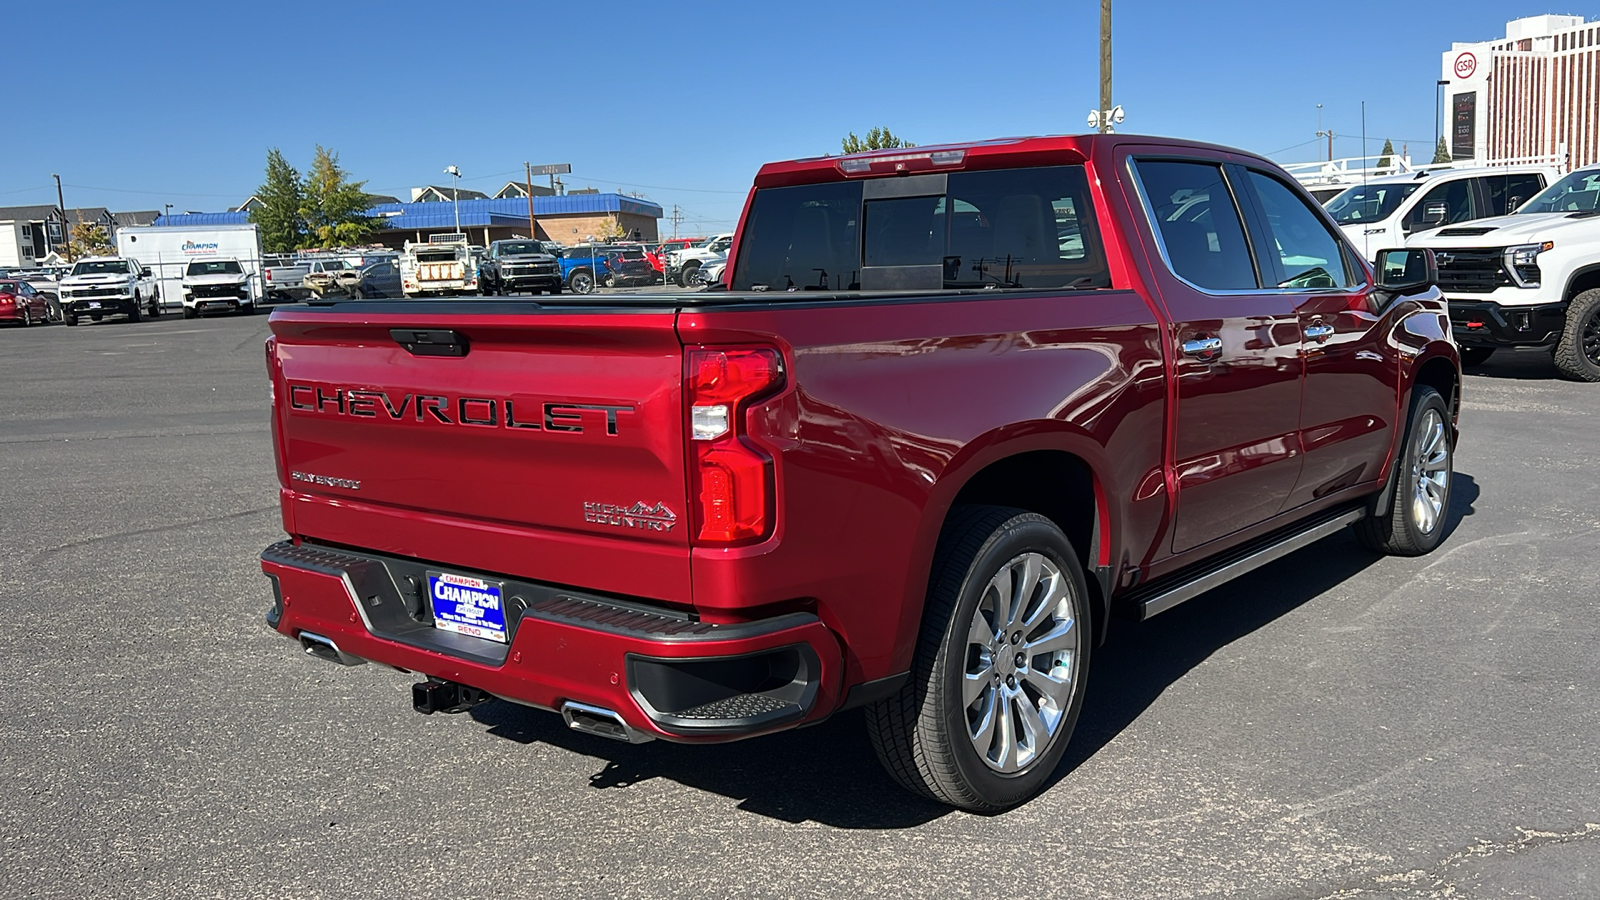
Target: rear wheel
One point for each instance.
(133, 311)
(1577, 354)
(1413, 521)
(998, 677)
(71, 319)
(155, 307)
(1475, 356)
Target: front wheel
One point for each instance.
(581, 282)
(1412, 523)
(133, 312)
(998, 677)
(190, 312)
(1475, 356)
(687, 277)
(1577, 353)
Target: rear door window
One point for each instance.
(1507, 193)
(1198, 223)
(1453, 200)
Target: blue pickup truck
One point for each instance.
(582, 267)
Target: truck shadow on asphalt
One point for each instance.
(828, 773)
(1517, 365)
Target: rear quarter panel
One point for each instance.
(892, 406)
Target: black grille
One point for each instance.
(1471, 271)
(97, 292)
(230, 291)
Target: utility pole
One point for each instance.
(61, 207)
(1105, 64)
(1327, 134)
(528, 174)
(677, 216)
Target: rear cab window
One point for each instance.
(1026, 228)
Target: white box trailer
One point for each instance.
(167, 250)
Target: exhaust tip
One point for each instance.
(601, 722)
(323, 648)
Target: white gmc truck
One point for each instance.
(1530, 279)
(100, 286)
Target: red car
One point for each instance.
(19, 302)
(957, 408)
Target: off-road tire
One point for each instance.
(189, 312)
(1577, 354)
(920, 732)
(1475, 356)
(687, 276)
(134, 314)
(71, 319)
(1395, 529)
(155, 308)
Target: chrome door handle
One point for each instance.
(1203, 347)
(1319, 332)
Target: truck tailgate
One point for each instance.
(544, 445)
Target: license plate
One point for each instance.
(94, 304)
(467, 605)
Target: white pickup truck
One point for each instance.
(1530, 279)
(211, 285)
(100, 286)
(444, 266)
(684, 265)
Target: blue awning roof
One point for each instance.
(510, 211)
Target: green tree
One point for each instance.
(877, 139)
(333, 207)
(88, 239)
(1441, 153)
(278, 217)
(1388, 154)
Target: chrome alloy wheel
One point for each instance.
(1431, 471)
(1023, 649)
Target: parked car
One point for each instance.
(47, 281)
(627, 266)
(216, 285)
(20, 303)
(582, 267)
(1384, 211)
(519, 265)
(331, 278)
(283, 279)
(683, 265)
(923, 492)
(101, 286)
(711, 270)
(1528, 280)
(381, 280)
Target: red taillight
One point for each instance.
(732, 479)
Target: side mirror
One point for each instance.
(1514, 203)
(1434, 213)
(1402, 272)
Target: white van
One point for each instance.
(1381, 213)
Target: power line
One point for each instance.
(1296, 146)
(45, 187)
(86, 187)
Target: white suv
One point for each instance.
(1381, 213)
(1531, 279)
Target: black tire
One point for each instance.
(687, 276)
(1401, 528)
(133, 312)
(1475, 356)
(155, 308)
(611, 281)
(71, 319)
(921, 733)
(556, 289)
(581, 282)
(27, 317)
(1577, 354)
(190, 312)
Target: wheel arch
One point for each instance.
(1585, 278)
(1046, 468)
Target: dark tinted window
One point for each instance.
(520, 248)
(1030, 228)
(1507, 193)
(794, 233)
(1453, 200)
(1198, 223)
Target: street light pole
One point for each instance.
(61, 206)
(455, 193)
(1105, 65)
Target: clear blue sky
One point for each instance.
(178, 103)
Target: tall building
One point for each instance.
(1532, 95)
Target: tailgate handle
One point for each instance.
(430, 341)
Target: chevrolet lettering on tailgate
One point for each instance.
(484, 412)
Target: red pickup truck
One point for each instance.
(951, 410)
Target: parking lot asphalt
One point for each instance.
(1335, 724)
